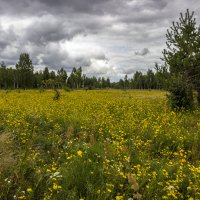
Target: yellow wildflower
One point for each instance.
(80, 153)
(56, 187)
(119, 197)
(29, 190)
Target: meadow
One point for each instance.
(97, 145)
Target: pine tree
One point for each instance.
(183, 50)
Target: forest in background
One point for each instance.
(23, 76)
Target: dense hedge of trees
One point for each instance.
(23, 76)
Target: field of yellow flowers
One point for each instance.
(97, 145)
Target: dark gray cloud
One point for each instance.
(48, 29)
(27, 7)
(6, 37)
(143, 52)
(108, 37)
(76, 5)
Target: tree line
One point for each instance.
(157, 79)
(24, 77)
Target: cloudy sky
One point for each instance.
(108, 38)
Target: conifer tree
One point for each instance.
(182, 55)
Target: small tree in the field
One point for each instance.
(182, 55)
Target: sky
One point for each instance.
(109, 38)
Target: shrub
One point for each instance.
(181, 95)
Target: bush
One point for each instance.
(181, 95)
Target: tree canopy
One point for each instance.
(24, 69)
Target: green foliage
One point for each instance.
(182, 54)
(24, 77)
(183, 45)
(7, 77)
(24, 71)
(181, 95)
(62, 76)
(75, 78)
(46, 73)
